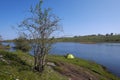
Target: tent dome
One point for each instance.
(70, 56)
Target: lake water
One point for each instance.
(106, 54)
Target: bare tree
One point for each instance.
(40, 26)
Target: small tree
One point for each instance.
(40, 27)
(22, 44)
(111, 34)
(0, 39)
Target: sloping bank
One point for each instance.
(18, 65)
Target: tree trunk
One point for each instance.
(39, 63)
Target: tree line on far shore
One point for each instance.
(87, 38)
(92, 38)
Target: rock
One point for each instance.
(1, 56)
(3, 60)
(69, 79)
(51, 64)
(90, 78)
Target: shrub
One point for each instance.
(22, 44)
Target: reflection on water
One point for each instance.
(112, 44)
(107, 54)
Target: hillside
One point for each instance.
(18, 65)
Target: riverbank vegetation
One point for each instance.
(18, 65)
(22, 43)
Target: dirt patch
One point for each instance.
(74, 72)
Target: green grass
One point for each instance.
(18, 65)
(87, 65)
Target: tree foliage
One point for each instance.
(39, 28)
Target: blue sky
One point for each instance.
(78, 17)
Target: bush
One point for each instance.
(22, 44)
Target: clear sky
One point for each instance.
(78, 17)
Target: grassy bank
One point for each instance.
(97, 70)
(18, 65)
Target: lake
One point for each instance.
(106, 54)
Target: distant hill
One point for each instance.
(91, 38)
